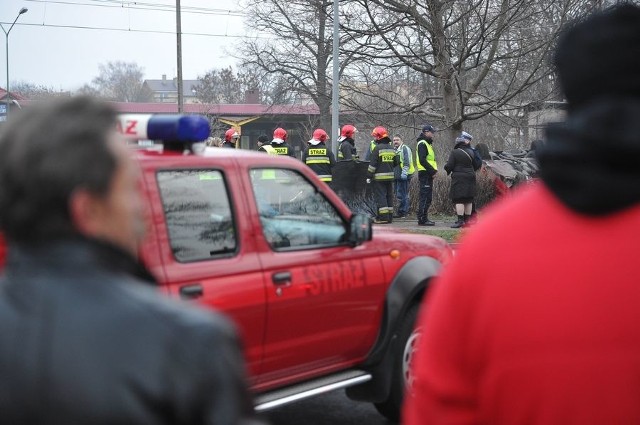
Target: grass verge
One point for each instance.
(449, 235)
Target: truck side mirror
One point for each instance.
(360, 229)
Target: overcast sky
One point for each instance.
(47, 48)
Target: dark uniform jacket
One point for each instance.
(283, 149)
(347, 150)
(320, 159)
(83, 341)
(383, 160)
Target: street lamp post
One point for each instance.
(6, 33)
(335, 90)
(179, 55)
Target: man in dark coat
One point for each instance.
(427, 169)
(263, 139)
(84, 336)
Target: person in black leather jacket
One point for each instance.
(84, 336)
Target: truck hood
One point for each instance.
(389, 238)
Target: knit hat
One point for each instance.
(263, 138)
(460, 139)
(602, 35)
(466, 136)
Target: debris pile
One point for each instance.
(514, 166)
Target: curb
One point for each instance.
(413, 224)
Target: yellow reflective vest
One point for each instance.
(431, 156)
(401, 155)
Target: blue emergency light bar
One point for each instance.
(166, 127)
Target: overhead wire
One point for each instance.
(158, 7)
(82, 27)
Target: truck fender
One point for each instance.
(407, 288)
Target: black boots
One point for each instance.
(383, 219)
(426, 222)
(458, 223)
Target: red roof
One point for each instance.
(16, 96)
(200, 108)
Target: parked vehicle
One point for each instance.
(322, 299)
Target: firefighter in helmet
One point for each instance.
(318, 157)
(347, 146)
(380, 174)
(231, 137)
(280, 144)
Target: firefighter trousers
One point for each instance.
(383, 192)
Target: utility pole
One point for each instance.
(179, 42)
(335, 108)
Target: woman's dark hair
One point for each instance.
(47, 152)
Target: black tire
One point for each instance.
(405, 346)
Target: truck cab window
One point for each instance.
(293, 213)
(198, 214)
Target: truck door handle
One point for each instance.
(190, 292)
(281, 278)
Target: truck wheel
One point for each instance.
(401, 376)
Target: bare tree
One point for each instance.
(121, 81)
(451, 61)
(225, 86)
(219, 86)
(298, 50)
(273, 88)
(35, 91)
(88, 90)
(403, 62)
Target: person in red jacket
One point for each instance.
(536, 318)
(3, 251)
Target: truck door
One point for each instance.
(207, 250)
(324, 296)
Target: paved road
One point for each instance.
(333, 408)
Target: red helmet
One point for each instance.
(348, 131)
(379, 132)
(280, 133)
(320, 134)
(231, 134)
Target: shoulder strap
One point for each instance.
(468, 156)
